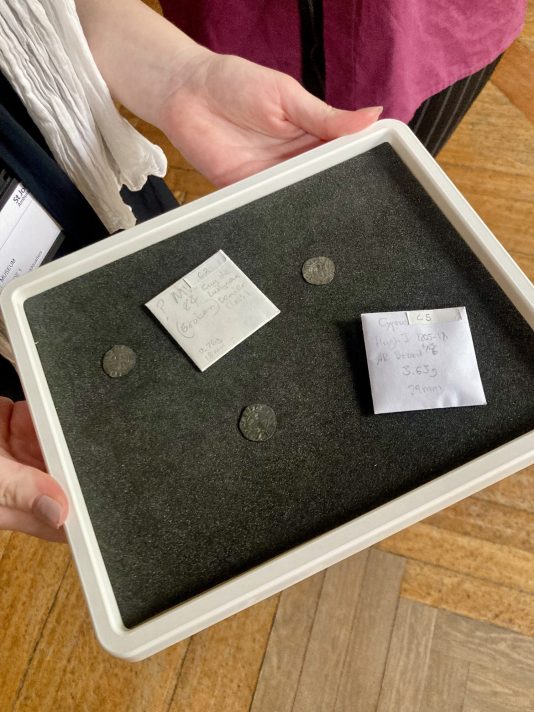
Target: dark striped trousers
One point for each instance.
(437, 117)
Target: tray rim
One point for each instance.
(272, 576)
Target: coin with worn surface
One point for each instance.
(118, 361)
(318, 270)
(257, 422)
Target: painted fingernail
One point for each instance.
(47, 510)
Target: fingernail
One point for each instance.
(375, 110)
(47, 510)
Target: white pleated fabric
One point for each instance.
(46, 57)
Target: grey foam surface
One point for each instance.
(179, 500)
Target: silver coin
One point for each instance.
(318, 270)
(258, 422)
(118, 361)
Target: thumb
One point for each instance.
(319, 119)
(29, 490)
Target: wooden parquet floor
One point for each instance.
(438, 618)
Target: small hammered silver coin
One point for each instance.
(257, 422)
(118, 361)
(318, 270)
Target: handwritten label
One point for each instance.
(421, 359)
(212, 309)
(433, 316)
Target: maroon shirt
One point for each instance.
(394, 53)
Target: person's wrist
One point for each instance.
(184, 79)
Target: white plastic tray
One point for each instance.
(264, 580)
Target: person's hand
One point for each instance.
(31, 501)
(231, 118)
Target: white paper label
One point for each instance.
(420, 363)
(212, 309)
(433, 316)
(27, 234)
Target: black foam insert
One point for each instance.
(179, 500)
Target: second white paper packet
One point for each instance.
(421, 359)
(212, 309)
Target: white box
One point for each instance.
(206, 609)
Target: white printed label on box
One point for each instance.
(421, 359)
(27, 234)
(212, 309)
